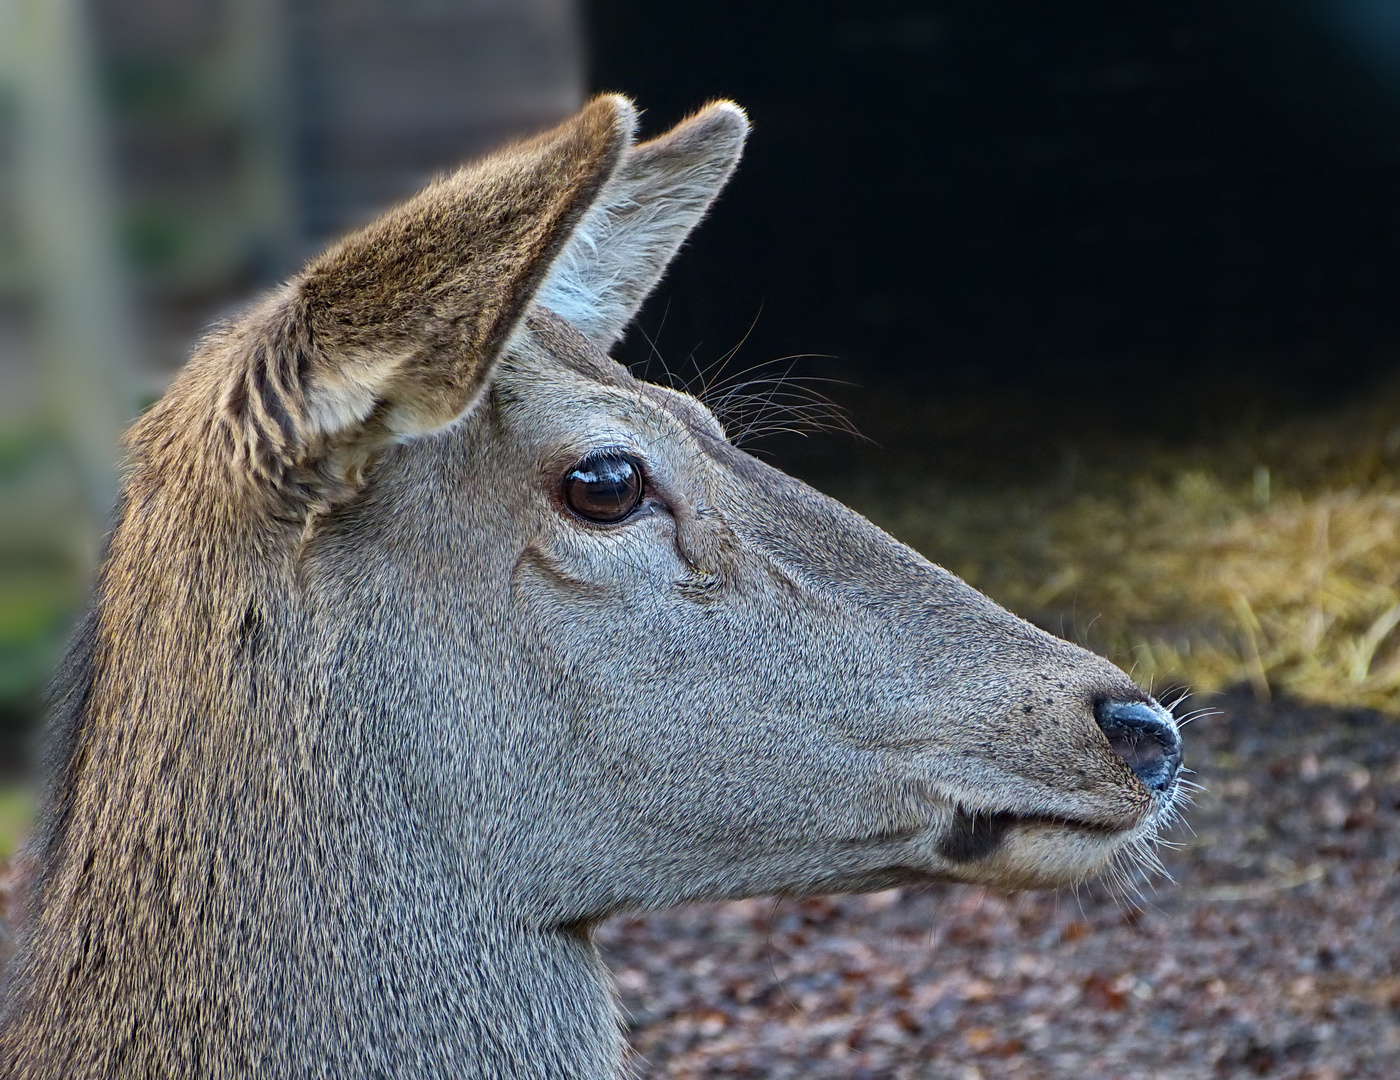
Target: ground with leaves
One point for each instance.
(1276, 953)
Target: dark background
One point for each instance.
(983, 195)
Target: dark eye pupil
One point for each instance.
(604, 488)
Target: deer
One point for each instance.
(427, 637)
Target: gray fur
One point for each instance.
(365, 730)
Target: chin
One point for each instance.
(1048, 855)
(1011, 852)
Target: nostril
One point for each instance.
(1145, 738)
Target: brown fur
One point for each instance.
(365, 729)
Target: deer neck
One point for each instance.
(518, 1003)
(449, 985)
(387, 967)
(265, 893)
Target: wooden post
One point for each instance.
(87, 326)
(254, 82)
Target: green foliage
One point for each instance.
(16, 815)
(44, 542)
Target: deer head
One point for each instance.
(428, 636)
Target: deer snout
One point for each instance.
(1145, 737)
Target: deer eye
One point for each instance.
(604, 487)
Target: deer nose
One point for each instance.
(1145, 737)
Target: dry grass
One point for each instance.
(1267, 555)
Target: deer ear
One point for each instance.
(393, 332)
(657, 196)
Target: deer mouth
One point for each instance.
(974, 835)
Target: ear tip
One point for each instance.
(728, 116)
(615, 110)
(730, 110)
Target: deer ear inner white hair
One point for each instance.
(655, 199)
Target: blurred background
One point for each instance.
(1109, 290)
